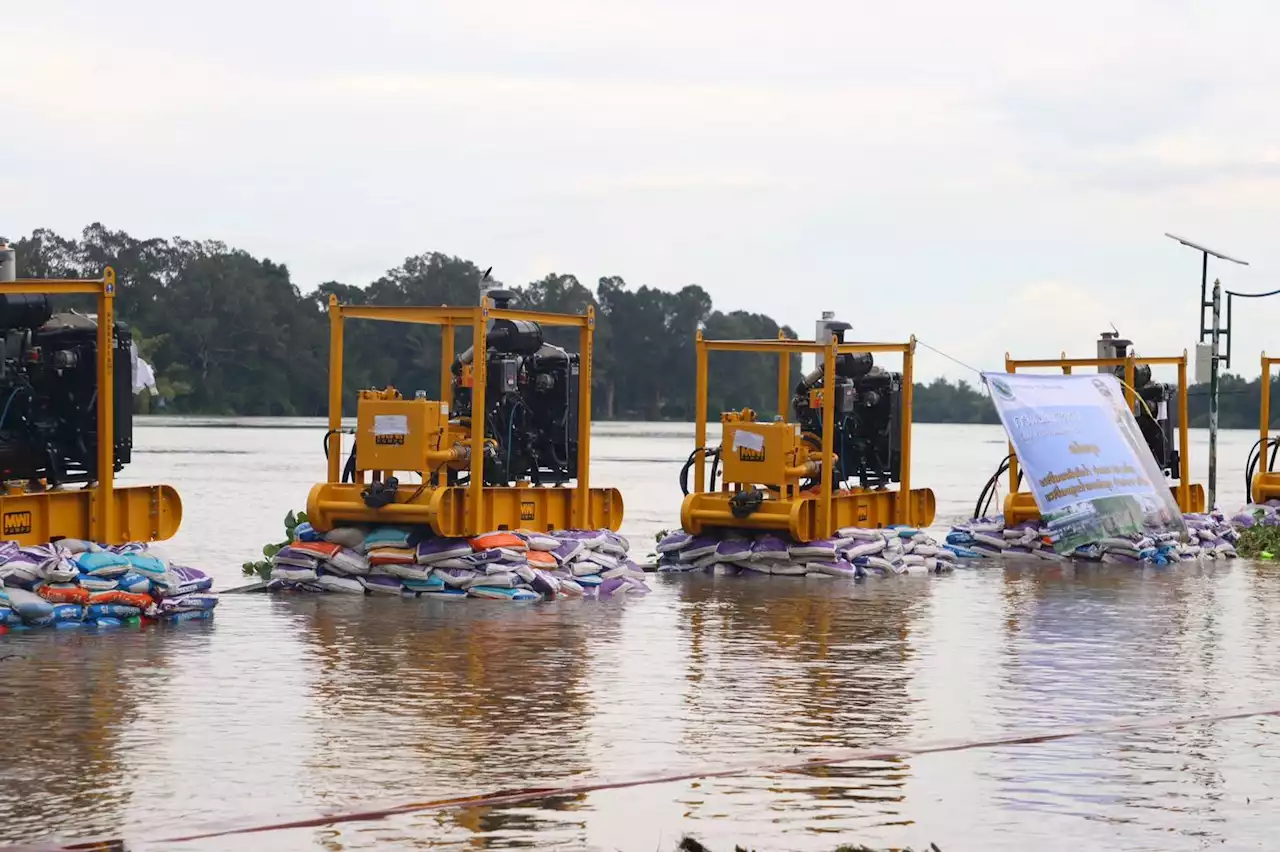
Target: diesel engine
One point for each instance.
(531, 402)
(868, 406)
(49, 393)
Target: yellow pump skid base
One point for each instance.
(142, 513)
(1266, 486)
(798, 517)
(332, 504)
(1020, 506)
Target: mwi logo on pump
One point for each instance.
(747, 454)
(397, 440)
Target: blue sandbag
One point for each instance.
(9, 618)
(96, 612)
(67, 612)
(107, 622)
(146, 564)
(190, 615)
(134, 583)
(30, 607)
(102, 564)
(305, 532)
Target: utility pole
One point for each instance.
(1215, 333)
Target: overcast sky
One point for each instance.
(988, 175)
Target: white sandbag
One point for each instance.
(860, 534)
(349, 562)
(334, 583)
(788, 569)
(864, 547)
(544, 543)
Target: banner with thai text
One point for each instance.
(1084, 457)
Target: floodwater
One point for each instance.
(280, 708)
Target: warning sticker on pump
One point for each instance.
(747, 440)
(390, 424)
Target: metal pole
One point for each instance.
(1213, 397)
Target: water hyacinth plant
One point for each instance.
(262, 568)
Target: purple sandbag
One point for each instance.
(674, 542)
(568, 551)
(732, 549)
(769, 547)
(434, 549)
(484, 558)
(544, 583)
(702, 545)
(608, 587)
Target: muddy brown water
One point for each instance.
(287, 706)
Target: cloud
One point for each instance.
(991, 175)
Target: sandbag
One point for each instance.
(820, 549)
(351, 538)
(336, 583)
(60, 593)
(433, 550)
(732, 550)
(457, 578)
(492, 540)
(588, 581)
(407, 570)
(103, 564)
(65, 613)
(386, 537)
(134, 582)
(541, 559)
(196, 601)
(431, 583)
(446, 593)
(181, 580)
(146, 564)
(348, 561)
(701, 546)
(29, 606)
(544, 583)
(788, 569)
(568, 551)
(94, 612)
(97, 584)
(492, 593)
(382, 583)
(540, 542)
(121, 597)
(385, 556)
(603, 560)
(673, 542)
(834, 568)
(570, 587)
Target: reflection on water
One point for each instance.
(306, 704)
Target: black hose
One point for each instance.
(1257, 456)
(715, 466)
(988, 494)
(684, 471)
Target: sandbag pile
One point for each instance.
(1211, 537)
(853, 553)
(73, 583)
(1258, 514)
(511, 566)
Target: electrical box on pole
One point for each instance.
(1215, 332)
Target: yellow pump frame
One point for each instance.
(1020, 506)
(1266, 483)
(99, 512)
(456, 511)
(808, 516)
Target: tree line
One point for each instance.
(232, 334)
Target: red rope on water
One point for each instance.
(783, 764)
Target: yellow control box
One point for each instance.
(759, 453)
(396, 434)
